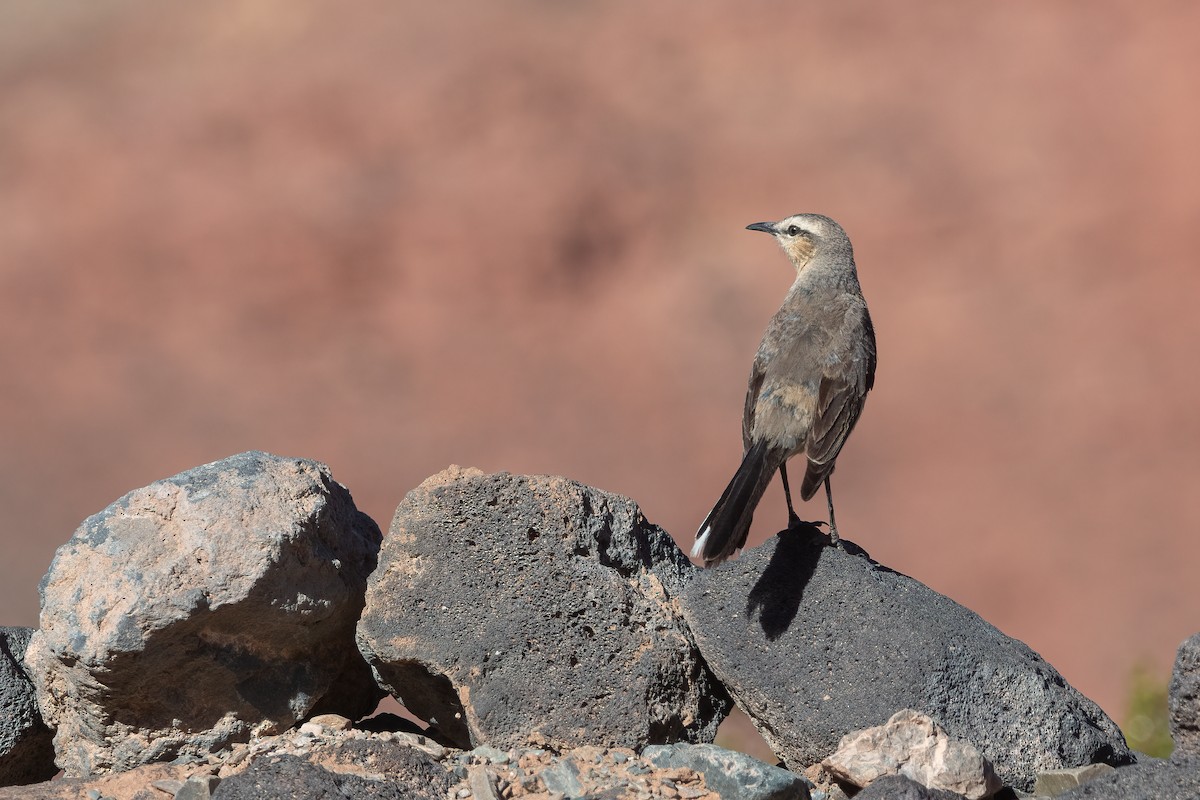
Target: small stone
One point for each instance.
(1054, 782)
(334, 722)
(312, 729)
(93, 794)
(481, 784)
(198, 787)
(563, 777)
(913, 745)
(168, 786)
(490, 755)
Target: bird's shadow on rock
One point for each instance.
(776, 595)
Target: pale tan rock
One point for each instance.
(335, 722)
(201, 610)
(913, 745)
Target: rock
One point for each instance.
(198, 787)
(334, 722)
(200, 610)
(563, 778)
(814, 642)
(913, 745)
(285, 777)
(733, 776)
(1184, 698)
(901, 787)
(1175, 779)
(26, 744)
(1054, 782)
(512, 610)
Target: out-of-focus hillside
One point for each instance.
(393, 236)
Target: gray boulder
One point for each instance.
(814, 642)
(511, 610)
(200, 610)
(26, 744)
(1183, 702)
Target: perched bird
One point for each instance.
(810, 378)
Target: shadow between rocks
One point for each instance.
(776, 595)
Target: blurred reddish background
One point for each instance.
(395, 236)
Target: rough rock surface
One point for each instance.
(286, 777)
(814, 642)
(1173, 779)
(329, 760)
(512, 610)
(913, 745)
(901, 787)
(1184, 698)
(26, 744)
(200, 610)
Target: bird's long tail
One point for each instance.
(724, 530)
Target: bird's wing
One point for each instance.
(752, 391)
(840, 400)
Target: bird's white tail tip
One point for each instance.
(698, 547)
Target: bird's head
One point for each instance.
(803, 236)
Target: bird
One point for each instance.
(807, 386)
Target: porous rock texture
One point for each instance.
(814, 642)
(1183, 702)
(511, 610)
(202, 609)
(26, 744)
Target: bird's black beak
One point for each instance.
(765, 227)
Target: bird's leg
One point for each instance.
(834, 539)
(793, 519)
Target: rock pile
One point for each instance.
(217, 634)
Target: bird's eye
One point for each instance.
(793, 230)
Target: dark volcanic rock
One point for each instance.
(814, 642)
(512, 610)
(200, 610)
(26, 744)
(900, 787)
(286, 777)
(1174, 779)
(1184, 698)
